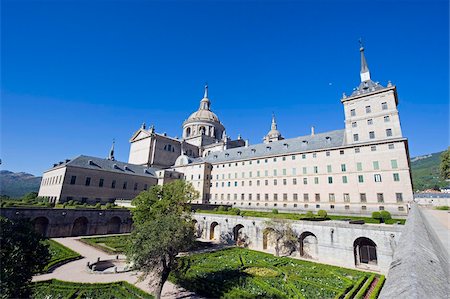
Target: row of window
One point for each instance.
(386, 119)
(306, 197)
(345, 179)
(284, 172)
(357, 150)
(101, 183)
(306, 206)
(372, 135)
(368, 109)
(54, 180)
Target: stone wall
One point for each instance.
(73, 222)
(330, 242)
(420, 267)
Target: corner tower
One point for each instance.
(371, 112)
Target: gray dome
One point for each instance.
(183, 160)
(203, 114)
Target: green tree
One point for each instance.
(162, 228)
(282, 234)
(322, 214)
(445, 165)
(22, 253)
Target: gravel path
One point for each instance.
(75, 271)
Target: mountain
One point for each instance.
(425, 171)
(18, 184)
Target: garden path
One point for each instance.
(75, 271)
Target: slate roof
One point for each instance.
(287, 146)
(107, 165)
(366, 87)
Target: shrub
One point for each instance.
(377, 288)
(309, 215)
(385, 215)
(109, 205)
(274, 211)
(376, 215)
(235, 211)
(98, 205)
(221, 208)
(322, 214)
(215, 209)
(70, 202)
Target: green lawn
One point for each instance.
(244, 273)
(62, 289)
(59, 254)
(112, 244)
(298, 216)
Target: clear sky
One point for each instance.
(76, 74)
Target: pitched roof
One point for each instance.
(96, 163)
(287, 146)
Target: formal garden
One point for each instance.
(59, 254)
(110, 244)
(321, 215)
(244, 273)
(67, 290)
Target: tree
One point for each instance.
(445, 165)
(162, 228)
(283, 235)
(322, 214)
(22, 254)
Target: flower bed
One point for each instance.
(62, 289)
(242, 273)
(60, 254)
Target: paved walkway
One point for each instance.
(440, 223)
(75, 271)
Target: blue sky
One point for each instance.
(76, 74)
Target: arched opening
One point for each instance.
(308, 245)
(268, 238)
(202, 130)
(188, 132)
(212, 230)
(365, 251)
(80, 226)
(238, 232)
(40, 225)
(114, 225)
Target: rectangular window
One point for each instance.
(266, 182)
(316, 180)
(274, 172)
(388, 132)
(355, 137)
(145, 187)
(88, 181)
(266, 197)
(305, 181)
(124, 185)
(329, 170)
(387, 119)
(380, 197)
(316, 169)
(362, 197)
(354, 124)
(242, 196)
(343, 168)
(399, 197)
(394, 164)
(377, 178)
(266, 173)
(346, 197)
(330, 180)
(73, 179)
(258, 197)
(235, 184)
(372, 135)
(113, 184)
(303, 156)
(275, 182)
(304, 170)
(284, 182)
(344, 179)
(391, 146)
(359, 166)
(341, 152)
(376, 165)
(317, 197)
(294, 171)
(284, 171)
(368, 109)
(294, 181)
(331, 197)
(258, 183)
(135, 186)
(275, 197)
(396, 177)
(352, 112)
(373, 148)
(284, 196)
(305, 196)
(370, 121)
(327, 154)
(360, 178)
(101, 182)
(384, 106)
(295, 195)
(357, 150)
(314, 155)
(293, 157)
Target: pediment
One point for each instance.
(140, 134)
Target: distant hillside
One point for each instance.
(18, 184)
(425, 172)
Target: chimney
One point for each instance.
(246, 142)
(312, 131)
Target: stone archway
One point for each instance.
(114, 225)
(80, 227)
(213, 230)
(308, 245)
(238, 232)
(365, 251)
(268, 239)
(40, 225)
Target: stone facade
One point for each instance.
(331, 242)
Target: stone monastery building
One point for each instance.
(359, 169)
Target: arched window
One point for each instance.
(80, 226)
(40, 225)
(114, 225)
(188, 132)
(308, 245)
(214, 231)
(365, 251)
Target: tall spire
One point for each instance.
(206, 91)
(111, 152)
(274, 122)
(364, 73)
